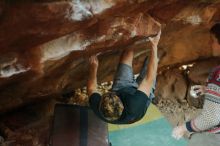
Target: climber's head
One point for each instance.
(111, 106)
(215, 39)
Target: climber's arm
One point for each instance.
(147, 83)
(92, 80)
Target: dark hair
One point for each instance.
(215, 30)
(111, 106)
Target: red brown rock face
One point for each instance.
(45, 44)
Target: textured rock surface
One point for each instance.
(174, 83)
(45, 44)
(199, 72)
(171, 85)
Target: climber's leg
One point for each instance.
(124, 76)
(127, 57)
(142, 75)
(143, 71)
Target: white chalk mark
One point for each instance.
(11, 70)
(194, 20)
(81, 10)
(63, 46)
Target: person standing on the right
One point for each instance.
(204, 126)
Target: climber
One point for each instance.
(128, 100)
(204, 128)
